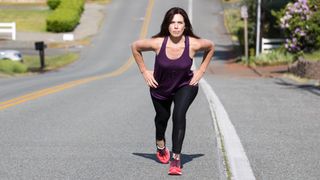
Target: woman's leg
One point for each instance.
(182, 101)
(163, 110)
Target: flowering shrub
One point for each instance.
(300, 22)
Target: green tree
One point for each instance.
(268, 28)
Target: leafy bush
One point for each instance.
(62, 20)
(300, 21)
(77, 5)
(53, 4)
(66, 17)
(314, 29)
(234, 23)
(11, 67)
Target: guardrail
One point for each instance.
(8, 28)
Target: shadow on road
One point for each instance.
(185, 157)
(307, 87)
(151, 156)
(189, 157)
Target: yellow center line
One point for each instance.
(58, 88)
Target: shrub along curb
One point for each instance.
(66, 16)
(12, 67)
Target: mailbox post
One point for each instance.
(40, 46)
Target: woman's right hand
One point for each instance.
(149, 78)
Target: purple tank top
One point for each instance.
(171, 74)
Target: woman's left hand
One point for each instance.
(197, 75)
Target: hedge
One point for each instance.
(62, 20)
(77, 5)
(53, 4)
(66, 16)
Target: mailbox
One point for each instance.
(40, 45)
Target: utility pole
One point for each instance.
(258, 27)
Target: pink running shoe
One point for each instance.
(175, 167)
(163, 155)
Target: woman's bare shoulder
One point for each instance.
(157, 42)
(199, 43)
(148, 44)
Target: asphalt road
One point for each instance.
(100, 129)
(94, 118)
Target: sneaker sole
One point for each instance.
(174, 172)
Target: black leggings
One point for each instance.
(182, 100)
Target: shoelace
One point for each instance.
(162, 151)
(175, 163)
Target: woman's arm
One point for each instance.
(144, 45)
(208, 47)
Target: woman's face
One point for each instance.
(177, 25)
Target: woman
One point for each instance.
(172, 80)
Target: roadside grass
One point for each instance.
(32, 64)
(51, 62)
(28, 20)
(278, 57)
(225, 156)
(275, 57)
(12, 67)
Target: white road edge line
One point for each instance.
(237, 159)
(225, 132)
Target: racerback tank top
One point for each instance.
(171, 74)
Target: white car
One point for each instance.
(11, 55)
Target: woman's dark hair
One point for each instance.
(164, 31)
